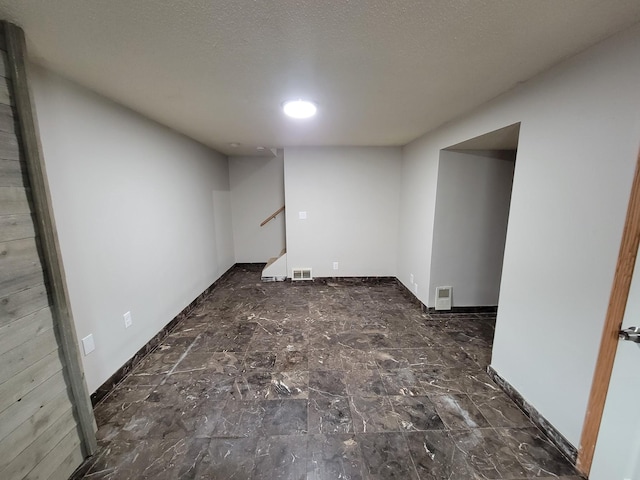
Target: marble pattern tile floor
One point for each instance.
(318, 381)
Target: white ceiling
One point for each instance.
(383, 72)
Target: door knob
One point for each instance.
(631, 334)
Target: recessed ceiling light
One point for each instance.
(234, 144)
(299, 108)
(260, 148)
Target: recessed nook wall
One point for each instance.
(577, 150)
(470, 226)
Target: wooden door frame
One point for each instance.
(613, 322)
(13, 38)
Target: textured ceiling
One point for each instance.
(383, 72)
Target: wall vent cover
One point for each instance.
(301, 274)
(443, 298)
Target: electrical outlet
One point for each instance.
(411, 277)
(128, 321)
(335, 265)
(88, 345)
(302, 215)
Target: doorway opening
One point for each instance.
(475, 180)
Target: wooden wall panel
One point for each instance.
(20, 439)
(4, 67)
(5, 97)
(18, 413)
(18, 359)
(18, 386)
(12, 173)
(60, 451)
(14, 201)
(21, 331)
(68, 465)
(7, 121)
(22, 303)
(46, 422)
(24, 462)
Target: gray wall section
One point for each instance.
(578, 143)
(470, 228)
(350, 196)
(143, 215)
(257, 190)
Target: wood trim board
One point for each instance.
(613, 322)
(15, 43)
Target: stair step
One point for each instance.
(274, 279)
(271, 260)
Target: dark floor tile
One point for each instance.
(113, 418)
(146, 458)
(458, 411)
(354, 339)
(479, 353)
(280, 342)
(364, 383)
(352, 367)
(395, 359)
(154, 420)
(191, 388)
(488, 453)
(126, 392)
(224, 342)
(416, 413)
(281, 458)
(357, 359)
(324, 341)
(378, 341)
(535, 452)
(161, 361)
(414, 339)
(288, 385)
(457, 380)
(223, 458)
(292, 361)
(284, 417)
(436, 457)
(229, 363)
(500, 410)
(327, 383)
(334, 457)
(563, 477)
(139, 381)
(456, 357)
(385, 457)
(373, 414)
(233, 328)
(259, 362)
(236, 418)
(404, 381)
(467, 338)
(251, 386)
(325, 359)
(330, 415)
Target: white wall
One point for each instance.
(470, 227)
(143, 216)
(578, 144)
(351, 197)
(257, 190)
